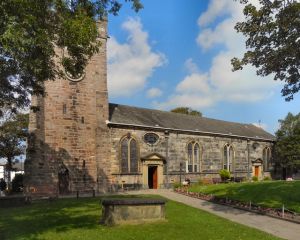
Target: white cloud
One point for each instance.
(194, 83)
(219, 83)
(131, 64)
(191, 66)
(154, 92)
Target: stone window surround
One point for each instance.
(230, 166)
(266, 157)
(193, 143)
(130, 137)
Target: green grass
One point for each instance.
(271, 194)
(78, 219)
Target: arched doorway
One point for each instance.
(63, 180)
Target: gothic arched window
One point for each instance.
(129, 155)
(266, 157)
(228, 157)
(193, 162)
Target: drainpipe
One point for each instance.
(167, 158)
(248, 151)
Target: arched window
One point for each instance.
(266, 157)
(129, 155)
(228, 157)
(193, 150)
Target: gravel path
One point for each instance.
(276, 227)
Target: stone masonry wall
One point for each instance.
(211, 153)
(63, 132)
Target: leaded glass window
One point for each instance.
(193, 150)
(151, 138)
(228, 157)
(129, 155)
(133, 156)
(124, 155)
(266, 158)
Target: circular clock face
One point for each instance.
(75, 78)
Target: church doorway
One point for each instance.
(152, 171)
(257, 168)
(256, 171)
(63, 181)
(152, 177)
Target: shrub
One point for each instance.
(17, 183)
(176, 185)
(200, 182)
(224, 174)
(267, 178)
(254, 179)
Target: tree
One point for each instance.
(186, 110)
(17, 183)
(30, 33)
(287, 148)
(13, 134)
(2, 185)
(272, 33)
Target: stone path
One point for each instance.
(276, 227)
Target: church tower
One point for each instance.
(66, 133)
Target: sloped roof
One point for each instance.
(142, 117)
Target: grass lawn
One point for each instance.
(271, 194)
(78, 219)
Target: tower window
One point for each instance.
(82, 119)
(64, 108)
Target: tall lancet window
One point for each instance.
(228, 157)
(266, 158)
(193, 154)
(129, 155)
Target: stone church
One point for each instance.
(81, 142)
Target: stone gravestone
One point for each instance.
(132, 211)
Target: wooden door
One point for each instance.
(256, 172)
(155, 177)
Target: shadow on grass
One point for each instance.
(61, 215)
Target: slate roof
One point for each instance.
(142, 117)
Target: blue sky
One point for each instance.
(177, 53)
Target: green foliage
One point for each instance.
(186, 110)
(287, 148)
(176, 185)
(2, 184)
(224, 174)
(270, 193)
(200, 182)
(31, 34)
(79, 219)
(13, 133)
(272, 39)
(17, 183)
(267, 178)
(254, 178)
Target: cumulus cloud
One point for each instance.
(219, 83)
(130, 64)
(154, 92)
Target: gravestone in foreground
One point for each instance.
(132, 211)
